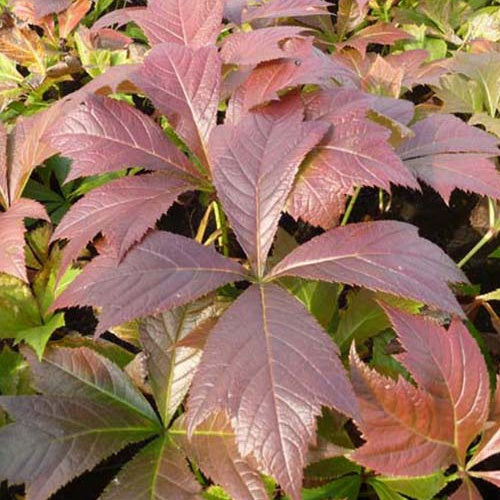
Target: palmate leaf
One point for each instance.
(183, 83)
(266, 44)
(159, 471)
(284, 8)
(57, 436)
(188, 22)
(171, 367)
(412, 431)
(163, 271)
(356, 152)
(105, 135)
(446, 153)
(12, 229)
(248, 371)
(123, 211)
(385, 256)
(213, 448)
(254, 165)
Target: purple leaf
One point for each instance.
(213, 448)
(266, 44)
(105, 135)
(355, 153)
(159, 471)
(233, 10)
(272, 377)
(171, 368)
(184, 84)
(122, 211)
(447, 154)
(4, 169)
(188, 22)
(387, 256)
(254, 165)
(163, 271)
(12, 236)
(45, 7)
(285, 8)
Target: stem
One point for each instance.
(350, 207)
(480, 244)
(221, 223)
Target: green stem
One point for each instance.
(350, 207)
(221, 224)
(480, 244)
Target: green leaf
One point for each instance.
(38, 336)
(460, 95)
(382, 361)
(345, 487)
(495, 295)
(485, 24)
(8, 70)
(495, 254)
(216, 493)
(384, 491)
(491, 124)
(14, 373)
(421, 488)
(331, 468)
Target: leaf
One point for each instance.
(105, 135)
(421, 488)
(163, 271)
(83, 373)
(14, 373)
(491, 125)
(123, 211)
(12, 236)
(412, 431)
(171, 368)
(346, 487)
(311, 67)
(383, 491)
(213, 448)
(266, 44)
(459, 95)
(38, 336)
(445, 153)
(4, 189)
(183, 83)
(56, 438)
(22, 44)
(284, 8)
(246, 372)
(159, 471)
(379, 33)
(385, 255)
(356, 152)
(254, 165)
(195, 23)
(45, 7)
(70, 19)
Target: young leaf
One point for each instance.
(12, 257)
(446, 153)
(356, 152)
(246, 371)
(213, 448)
(105, 135)
(188, 22)
(412, 431)
(123, 211)
(386, 256)
(284, 8)
(254, 165)
(266, 44)
(163, 271)
(158, 472)
(171, 368)
(184, 84)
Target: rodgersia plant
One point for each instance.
(297, 135)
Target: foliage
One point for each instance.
(265, 365)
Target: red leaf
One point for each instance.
(269, 78)
(70, 19)
(214, 450)
(233, 10)
(354, 153)
(4, 190)
(387, 256)
(380, 33)
(285, 8)
(45, 7)
(492, 476)
(122, 211)
(12, 236)
(184, 84)
(163, 271)
(255, 163)
(188, 22)
(266, 44)
(105, 135)
(247, 371)
(447, 154)
(411, 431)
